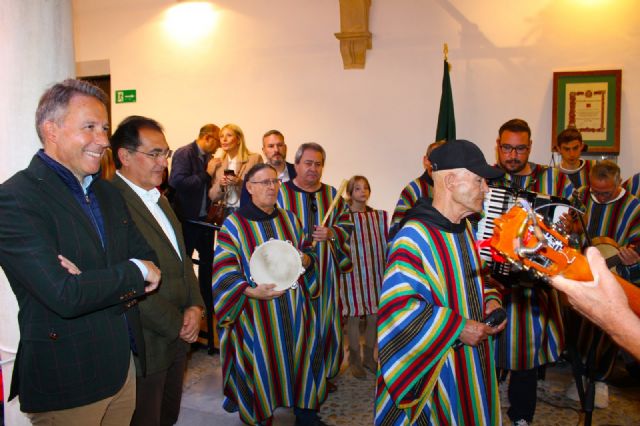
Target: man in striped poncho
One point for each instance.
(535, 335)
(614, 213)
(433, 298)
(268, 348)
(309, 199)
(422, 186)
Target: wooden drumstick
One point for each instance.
(333, 204)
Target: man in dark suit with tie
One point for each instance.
(192, 169)
(171, 316)
(76, 263)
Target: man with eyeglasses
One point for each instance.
(310, 199)
(613, 213)
(170, 316)
(77, 265)
(192, 169)
(534, 335)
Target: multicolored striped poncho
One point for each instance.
(333, 257)
(619, 220)
(416, 189)
(360, 288)
(269, 353)
(580, 176)
(431, 286)
(632, 185)
(534, 335)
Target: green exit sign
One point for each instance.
(125, 96)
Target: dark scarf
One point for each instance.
(252, 212)
(425, 212)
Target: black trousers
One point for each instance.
(523, 394)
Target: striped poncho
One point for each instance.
(431, 286)
(580, 176)
(619, 220)
(269, 354)
(360, 288)
(534, 335)
(332, 257)
(416, 189)
(632, 185)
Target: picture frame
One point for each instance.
(590, 102)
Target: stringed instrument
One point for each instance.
(522, 238)
(609, 249)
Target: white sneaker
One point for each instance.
(602, 395)
(521, 422)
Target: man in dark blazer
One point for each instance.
(171, 316)
(192, 169)
(76, 263)
(275, 153)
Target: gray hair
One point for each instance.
(309, 146)
(54, 102)
(605, 169)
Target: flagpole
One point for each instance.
(445, 50)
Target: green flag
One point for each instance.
(446, 117)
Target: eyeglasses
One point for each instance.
(155, 155)
(267, 182)
(603, 195)
(508, 149)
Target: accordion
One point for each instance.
(497, 202)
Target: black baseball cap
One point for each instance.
(462, 154)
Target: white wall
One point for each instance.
(276, 64)
(36, 51)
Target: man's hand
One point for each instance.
(153, 276)
(69, 265)
(264, 292)
(491, 306)
(322, 233)
(213, 165)
(191, 324)
(475, 332)
(601, 300)
(628, 255)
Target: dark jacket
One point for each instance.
(74, 340)
(162, 311)
(190, 180)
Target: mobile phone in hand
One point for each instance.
(229, 172)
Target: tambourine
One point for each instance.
(276, 262)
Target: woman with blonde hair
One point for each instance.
(229, 174)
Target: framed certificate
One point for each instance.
(590, 102)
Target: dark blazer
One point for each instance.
(190, 180)
(162, 311)
(74, 341)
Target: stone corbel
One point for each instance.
(354, 34)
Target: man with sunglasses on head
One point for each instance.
(171, 316)
(534, 334)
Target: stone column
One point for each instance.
(36, 51)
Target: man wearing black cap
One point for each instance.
(436, 355)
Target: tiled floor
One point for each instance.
(352, 404)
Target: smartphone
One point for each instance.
(229, 172)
